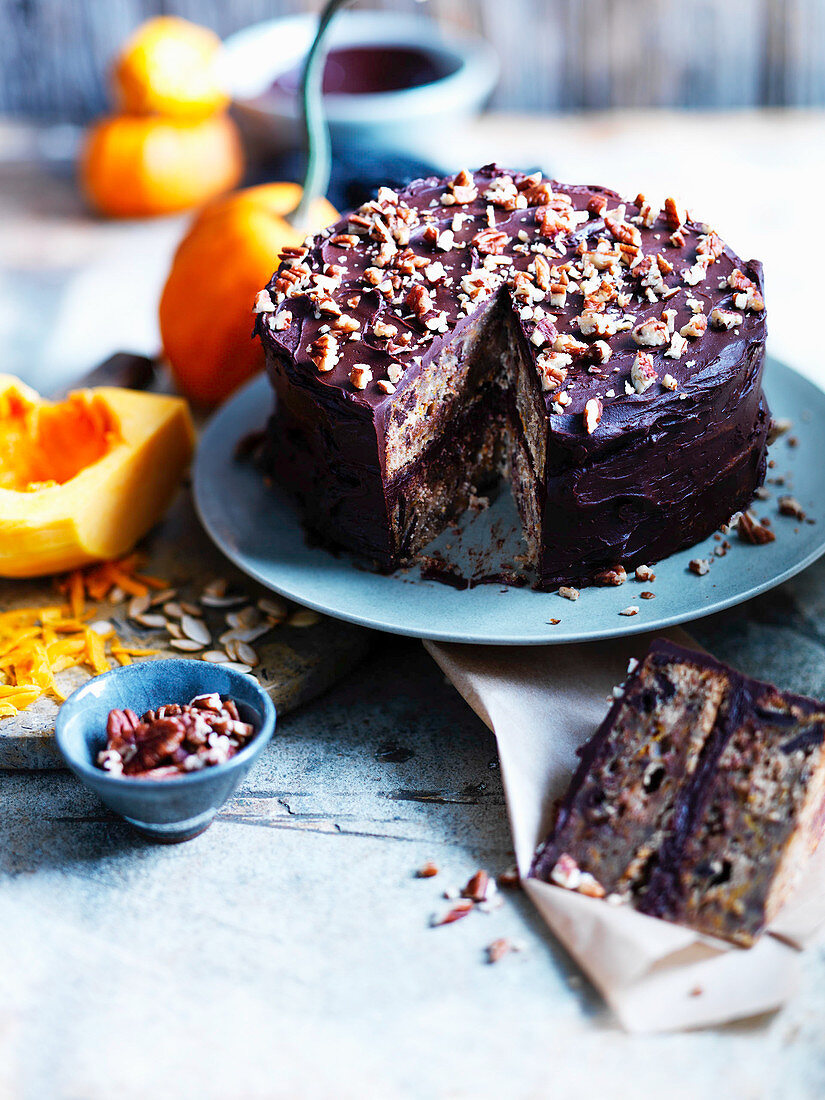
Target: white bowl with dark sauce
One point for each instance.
(392, 82)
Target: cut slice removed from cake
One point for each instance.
(698, 800)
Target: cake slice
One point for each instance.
(698, 800)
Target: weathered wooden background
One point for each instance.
(556, 54)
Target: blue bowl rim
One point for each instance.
(124, 782)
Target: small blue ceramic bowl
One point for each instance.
(166, 810)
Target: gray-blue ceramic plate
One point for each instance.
(258, 529)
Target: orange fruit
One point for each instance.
(134, 166)
(170, 67)
(227, 256)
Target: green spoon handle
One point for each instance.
(316, 131)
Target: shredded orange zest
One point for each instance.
(96, 652)
(36, 643)
(77, 594)
(130, 651)
(152, 582)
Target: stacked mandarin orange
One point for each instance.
(170, 144)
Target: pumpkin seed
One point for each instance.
(164, 596)
(236, 666)
(116, 595)
(188, 645)
(101, 626)
(304, 617)
(174, 629)
(156, 622)
(247, 616)
(222, 601)
(138, 605)
(214, 656)
(173, 610)
(277, 609)
(195, 629)
(191, 609)
(216, 587)
(249, 635)
(246, 654)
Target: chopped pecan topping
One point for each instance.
(497, 950)
(566, 872)
(623, 231)
(360, 376)
(427, 870)
(643, 373)
(558, 294)
(601, 351)
(568, 344)
(790, 506)
(725, 319)
(751, 530)
(593, 410)
(647, 213)
(477, 887)
(345, 240)
(460, 908)
(346, 324)
(490, 242)
(677, 347)
(675, 216)
(264, 303)
(542, 273)
(503, 193)
(419, 300)
(597, 205)
(324, 352)
(552, 368)
(699, 566)
(596, 324)
(293, 252)
(710, 247)
(551, 221)
(384, 331)
(650, 333)
(611, 577)
(460, 190)
(696, 327)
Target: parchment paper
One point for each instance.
(542, 703)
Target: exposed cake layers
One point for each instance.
(610, 353)
(698, 800)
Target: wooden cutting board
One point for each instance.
(296, 662)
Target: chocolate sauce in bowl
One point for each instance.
(372, 70)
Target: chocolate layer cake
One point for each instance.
(698, 800)
(605, 354)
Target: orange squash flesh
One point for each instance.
(83, 480)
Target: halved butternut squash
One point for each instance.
(82, 479)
